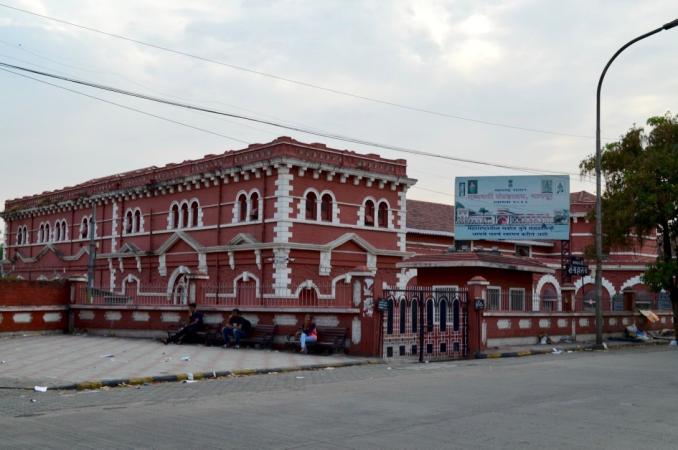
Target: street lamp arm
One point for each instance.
(599, 209)
(630, 43)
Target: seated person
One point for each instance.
(195, 324)
(236, 327)
(308, 334)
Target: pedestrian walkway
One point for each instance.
(62, 360)
(559, 348)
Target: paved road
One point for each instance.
(621, 399)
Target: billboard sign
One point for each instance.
(512, 208)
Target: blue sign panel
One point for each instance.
(512, 208)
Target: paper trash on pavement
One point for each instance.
(40, 388)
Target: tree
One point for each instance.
(641, 195)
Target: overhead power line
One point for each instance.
(324, 134)
(166, 119)
(298, 82)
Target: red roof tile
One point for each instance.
(476, 259)
(582, 197)
(430, 216)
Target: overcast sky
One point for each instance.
(525, 63)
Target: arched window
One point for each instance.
(389, 317)
(415, 315)
(18, 237)
(57, 231)
(443, 315)
(129, 226)
(455, 315)
(403, 315)
(174, 216)
(194, 213)
(242, 208)
(47, 232)
(382, 215)
(429, 315)
(41, 233)
(137, 221)
(84, 228)
(369, 213)
(64, 230)
(311, 206)
(326, 208)
(254, 206)
(184, 216)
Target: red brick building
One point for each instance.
(277, 229)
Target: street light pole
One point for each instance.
(599, 212)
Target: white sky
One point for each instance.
(527, 63)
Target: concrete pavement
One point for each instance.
(588, 400)
(63, 360)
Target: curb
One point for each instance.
(580, 348)
(136, 381)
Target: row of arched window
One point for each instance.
(22, 235)
(133, 222)
(379, 209)
(57, 234)
(247, 207)
(183, 215)
(319, 206)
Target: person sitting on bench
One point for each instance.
(308, 334)
(195, 324)
(237, 327)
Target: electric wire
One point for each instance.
(328, 135)
(166, 119)
(297, 82)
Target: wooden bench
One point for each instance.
(260, 336)
(330, 340)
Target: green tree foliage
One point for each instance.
(641, 194)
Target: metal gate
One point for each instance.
(425, 323)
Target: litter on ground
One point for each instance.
(40, 388)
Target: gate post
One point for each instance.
(476, 291)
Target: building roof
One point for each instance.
(476, 259)
(582, 197)
(315, 154)
(428, 216)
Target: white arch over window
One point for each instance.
(389, 215)
(589, 280)
(194, 213)
(85, 224)
(129, 279)
(254, 205)
(247, 276)
(48, 232)
(631, 282)
(184, 214)
(363, 213)
(303, 207)
(548, 278)
(173, 216)
(241, 201)
(334, 210)
(307, 284)
(181, 270)
(64, 230)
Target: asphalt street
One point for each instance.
(622, 399)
